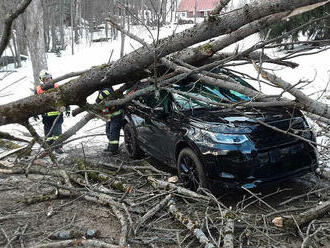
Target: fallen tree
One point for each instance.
(136, 193)
(132, 66)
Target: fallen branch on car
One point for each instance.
(309, 104)
(131, 66)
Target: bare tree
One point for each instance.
(35, 35)
(123, 16)
(8, 24)
(20, 26)
(72, 9)
(62, 24)
(77, 21)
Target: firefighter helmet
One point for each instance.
(44, 75)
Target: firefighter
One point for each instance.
(114, 116)
(52, 120)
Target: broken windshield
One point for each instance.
(199, 95)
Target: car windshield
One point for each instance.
(205, 94)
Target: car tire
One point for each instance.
(190, 170)
(132, 148)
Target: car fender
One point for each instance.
(181, 144)
(128, 119)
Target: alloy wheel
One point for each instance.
(188, 173)
(128, 141)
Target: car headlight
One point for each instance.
(227, 138)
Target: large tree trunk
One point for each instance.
(72, 10)
(77, 21)
(35, 36)
(122, 35)
(164, 11)
(47, 15)
(131, 66)
(16, 49)
(21, 36)
(53, 32)
(62, 24)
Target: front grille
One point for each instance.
(286, 161)
(264, 137)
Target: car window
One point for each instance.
(205, 93)
(157, 100)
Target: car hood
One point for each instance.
(242, 121)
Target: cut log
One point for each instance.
(302, 218)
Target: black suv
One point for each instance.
(216, 146)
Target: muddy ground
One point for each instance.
(25, 224)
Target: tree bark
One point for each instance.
(53, 31)
(16, 49)
(35, 35)
(21, 36)
(61, 26)
(72, 10)
(122, 35)
(303, 218)
(77, 19)
(200, 53)
(308, 103)
(8, 22)
(77, 243)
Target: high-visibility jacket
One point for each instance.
(41, 89)
(111, 111)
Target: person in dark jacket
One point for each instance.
(114, 116)
(52, 120)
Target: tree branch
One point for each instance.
(8, 22)
(309, 104)
(132, 65)
(220, 6)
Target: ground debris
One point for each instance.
(145, 209)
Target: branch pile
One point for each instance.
(144, 209)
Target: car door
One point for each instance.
(139, 114)
(158, 128)
(142, 116)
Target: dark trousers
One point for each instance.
(112, 129)
(48, 121)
